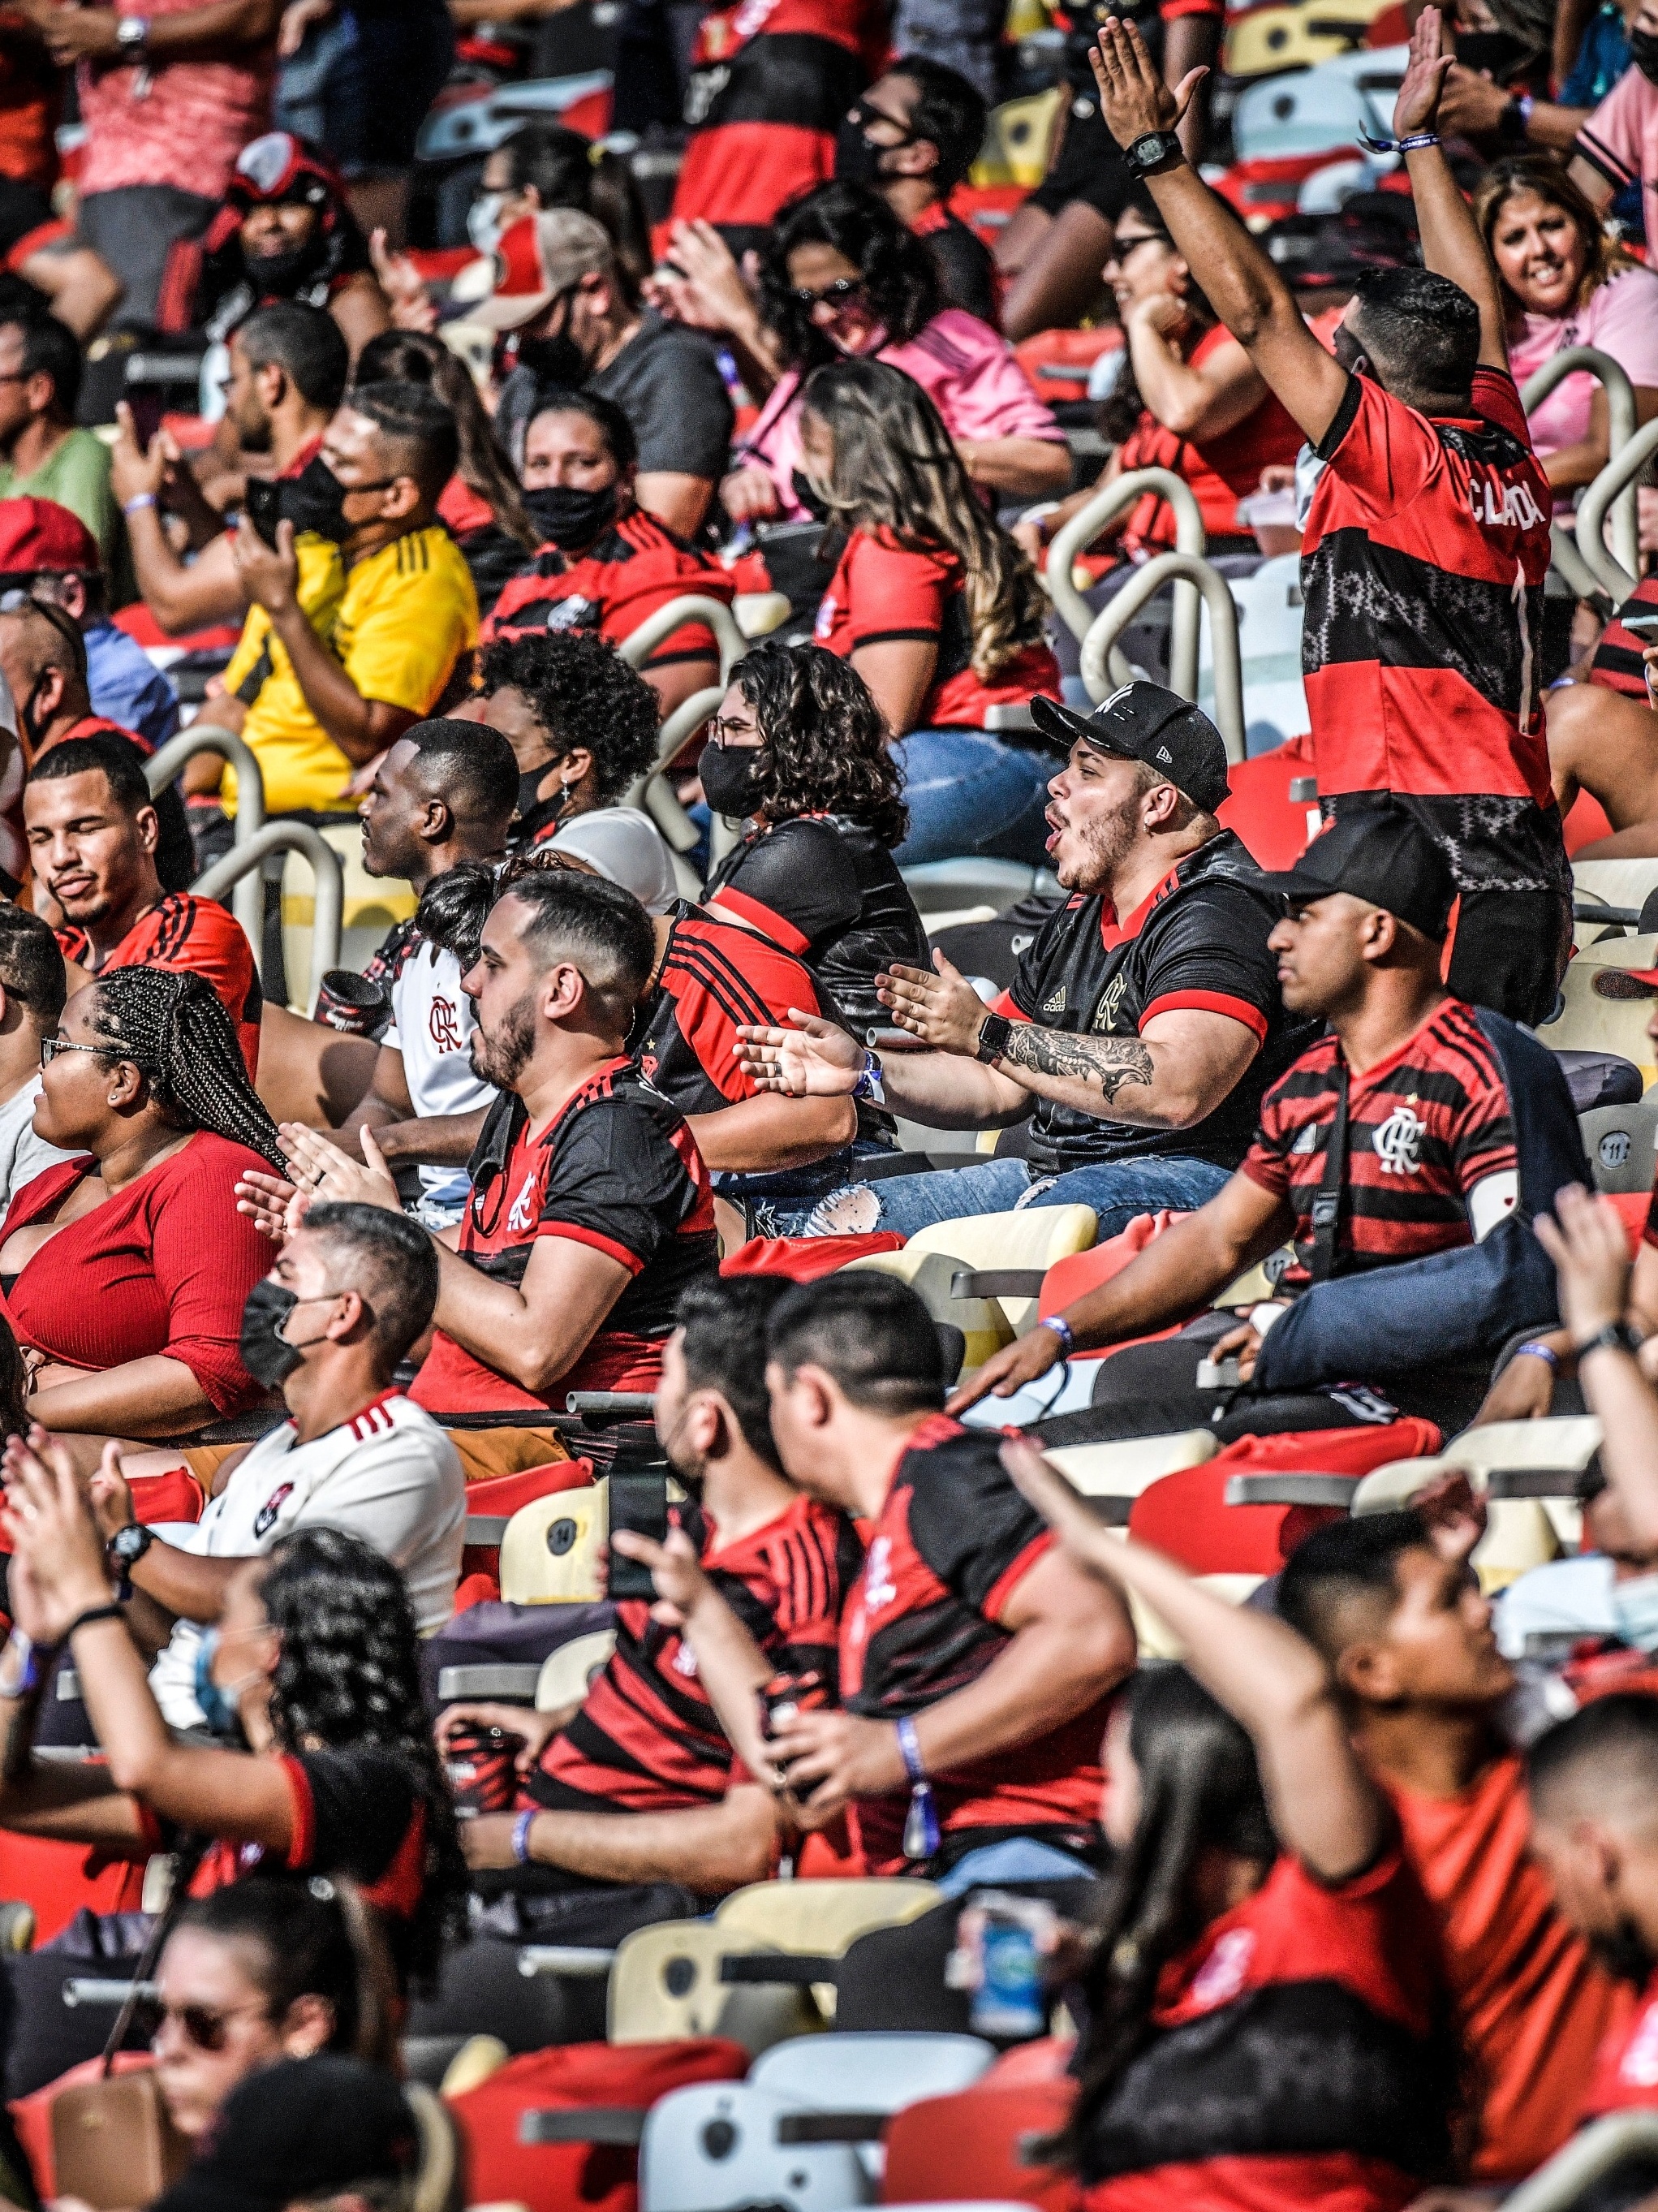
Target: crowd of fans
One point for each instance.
(628, 550)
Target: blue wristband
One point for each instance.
(868, 1085)
(909, 1749)
(1062, 1328)
(1539, 1352)
(521, 1837)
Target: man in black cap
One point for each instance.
(1403, 1157)
(305, 2132)
(1144, 1024)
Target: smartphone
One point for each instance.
(639, 1502)
(149, 404)
(263, 500)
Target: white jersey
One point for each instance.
(390, 1475)
(22, 1154)
(432, 1026)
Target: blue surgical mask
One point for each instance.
(1634, 1608)
(218, 1706)
(484, 222)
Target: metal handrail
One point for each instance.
(694, 606)
(248, 905)
(1622, 469)
(1620, 428)
(1190, 537)
(1223, 622)
(1581, 580)
(1592, 2153)
(328, 912)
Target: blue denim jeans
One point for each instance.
(1117, 1190)
(969, 793)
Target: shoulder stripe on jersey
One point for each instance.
(724, 982)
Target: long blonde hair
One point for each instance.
(895, 471)
(1506, 179)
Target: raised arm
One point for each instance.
(1241, 285)
(1451, 244)
(1324, 1807)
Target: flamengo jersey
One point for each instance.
(432, 1026)
(646, 1739)
(188, 935)
(715, 974)
(952, 1543)
(1423, 560)
(629, 570)
(616, 1169)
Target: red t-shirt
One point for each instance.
(187, 935)
(883, 591)
(1290, 2062)
(1626, 2065)
(630, 570)
(1531, 2008)
(1221, 471)
(162, 1266)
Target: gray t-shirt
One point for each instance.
(666, 381)
(22, 1154)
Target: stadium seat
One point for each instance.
(1032, 1239)
(1588, 1023)
(823, 1918)
(550, 1548)
(718, 2147)
(491, 1504)
(567, 1674)
(942, 887)
(977, 2146)
(1618, 1142)
(373, 904)
(1274, 803)
(668, 1981)
(1121, 1470)
(871, 2073)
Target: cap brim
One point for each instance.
(1291, 884)
(1625, 983)
(1064, 724)
(509, 310)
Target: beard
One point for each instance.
(1107, 842)
(1624, 1953)
(501, 1059)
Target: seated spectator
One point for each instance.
(937, 609)
(1591, 52)
(347, 1301)
(1144, 1024)
(582, 725)
(1610, 154)
(288, 367)
(1566, 282)
(1607, 745)
(976, 1665)
(285, 232)
(842, 276)
(604, 563)
(39, 249)
(42, 454)
(341, 655)
(50, 553)
(1189, 399)
(1607, 1592)
(125, 1271)
(912, 137)
(1390, 1606)
(1264, 1905)
(482, 503)
(94, 845)
(590, 1210)
(314, 1668)
(543, 165)
(1413, 1295)
(32, 993)
(638, 1784)
(562, 291)
(326, 2134)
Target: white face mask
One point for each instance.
(484, 222)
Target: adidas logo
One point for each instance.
(1056, 1004)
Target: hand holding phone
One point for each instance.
(638, 1503)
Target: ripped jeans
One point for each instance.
(1117, 1190)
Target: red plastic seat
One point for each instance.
(1261, 810)
(59, 1879)
(804, 1259)
(174, 1494)
(32, 2115)
(1078, 1273)
(969, 2147)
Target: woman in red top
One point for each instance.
(123, 1274)
(1262, 1981)
(936, 608)
(605, 565)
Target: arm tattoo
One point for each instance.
(1112, 1063)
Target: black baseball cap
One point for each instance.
(1146, 722)
(305, 2127)
(1380, 853)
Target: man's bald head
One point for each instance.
(1601, 1765)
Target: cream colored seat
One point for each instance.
(821, 1918)
(550, 1548)
(1157, 1641)
(759, 613)
(1131, 1464)
(1033, 1237)
(666, 1985)
(373, 905)
(1588, 1023)
(568, 1673)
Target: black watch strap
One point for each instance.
(1616, 1336)
(1153, 152)
(994, 1034)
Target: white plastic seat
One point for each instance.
(1157, 1642)
(1131, 1464)
(714, 2147)
(1620, 1142)
(1031, 1238)
(869, 2072)
(550, 1548)
(568, 1673)
(1588, 1023)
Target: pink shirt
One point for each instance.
(189, 129)
(967, 370)
(1620, 317)
(1620, 139)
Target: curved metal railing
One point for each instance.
(248, 905)
(1622, 469)
(1111, 621)
(1620, 428)
(328, 913)
(1077, 535)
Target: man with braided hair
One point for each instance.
(94, 834)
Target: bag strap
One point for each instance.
(190, 1854)
(1326, 1203)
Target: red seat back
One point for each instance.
(58, 1879)
(32, 2115)
(1261, 810)
(174, 1494)
(804, 1259)
(1078, 1273)
(972, 2146)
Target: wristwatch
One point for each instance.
(1616, 1336)
(132, 36)
(124, 1549)
(1152, 152)
(994, 1031)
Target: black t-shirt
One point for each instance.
(1199, 941)
(23, 207)
(666, 381)
(966, 273)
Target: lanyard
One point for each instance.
(1326, 1203)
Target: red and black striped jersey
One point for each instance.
(952, 1543)
(715, 974)
(616, 1169)
(629, 570)
(1293, 2058)
(1426, 1128)
(1423, 560)
(646, 1739)
(1618, 664)
(188, 935)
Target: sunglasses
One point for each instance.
(204, 2029)
(832, 295)
(52, 1046)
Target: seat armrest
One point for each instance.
(997, 1282)
(514, 1682)
(619, 2125)
(1293, 1489)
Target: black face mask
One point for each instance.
(857, 158)
(279, 275)
(536, 814)
(568, 517)
(315, 500)
(731, 775)
(33, 728)
(554, 360)
(808, 495)
(1496, 54)
(267, 1355)
(1643, 52)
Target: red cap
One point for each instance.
(37, 534)
(1625, 983)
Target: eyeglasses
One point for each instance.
(832, 295)
(1124, 246)
(52, 1046)
(203, 2028)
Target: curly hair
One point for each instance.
(900, 282)
(897, 471)
(173, 1029)
(348, 1672)
(582, 693)
(1506, 179)
(825, 744)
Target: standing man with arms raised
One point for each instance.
(1426, 540)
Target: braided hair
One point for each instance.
(348, 1673)
(176, 1033)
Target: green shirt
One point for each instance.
(76, 476)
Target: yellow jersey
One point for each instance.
(396, 623)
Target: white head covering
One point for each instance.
(625, 846)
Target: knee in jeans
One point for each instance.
(853, 1211)
(1034, 1196)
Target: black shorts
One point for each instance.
(1091, 167)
